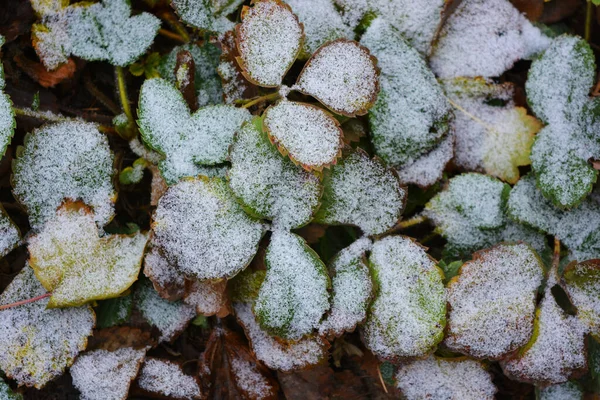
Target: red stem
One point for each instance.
(20, 303)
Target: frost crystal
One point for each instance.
(64, 160)
(165, 378)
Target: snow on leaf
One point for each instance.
(202, 231)
(210, 15)
(269, 39)
(309, 135)
(235, 86)
(492, 301)
(10, 235)
(293, 297)
(408, 315)
(278, 354)
(36, 343)
(101, 374)
(78, 266)
(7, 115)
(268, 184)
(555, 352)
(429, 168)
(352, 289)
(343, 76)
(6, 393)
(581, 282)
(363, 192)
(186, 140)
(170, 318)
(208, 297)
(484, 38)
(165, 277)
(64, 160)
(411, 114)
(321, 21)
(447, 378)
(101, 31)
(562, 391)
(162, 377)
(557, 90)
(492, 138)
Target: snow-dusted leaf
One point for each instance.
(429, 168)
(492, 135)
(10, 235)
(557, 90)
(343, 75)
(186, 140)
(408, 315)
(244, 287)
(235, 85)
(293, 297)
(162, 377)
(170, 318)
(492, 301)
(276, 353)
(98, 31)
(7, 115)
(268, 184)
(363, 192)
(207, 297)
(78, 266)
(484, 38)
(64, 160)
(206, 78)
(411, 114)
(36, 343)
(106, 375)
(309, 135)
(578, 228)
(321, 23)
(202, 231)
(563, 391)
(6, 393)
(352, 289)
(555, 352)
(210, 15)
(445, 378)
(581, 282)
(269, 39)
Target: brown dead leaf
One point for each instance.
(235, 86)
(532, 9)
(117, 337)
(312, 232)
(185, 69)
(38, 72)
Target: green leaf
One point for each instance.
(65, 160)
(408, 315)
(186, 140)
(78, 266)
(362, 192)
(95, 32)
(38, 343)
(210, 15)
(450, 270)
(581, 282)
(113, 312)
(269, 185)
(492, 301)
(293, 296)
(244, 287)
(6, 393)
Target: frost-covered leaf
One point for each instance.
(411, 114)
(64, 160)
(343, 75)
(269, 39)
(235, 86)
(578, 228)
(445, 378)
(244, 287)
(210, 15)
(363, 192)
(492, 135)
(581, 282)
(170, 318)
(268, 184)
(6, 393)
(563, 391)
(36, 343)
(293, 297)
(10, 235)
(429, 168)
(352, 289)
(162, 377)
(408, 315)
(95, 32)
(278, 354)
(106, 375)
(207, 297)
(202, 231)
(321, 21)
(484, 38)
(557, 90)
(78, 266)
(206, 78)
(7, 115)
(492, 301)
(309, 135)
(555, 352)
(186, 140)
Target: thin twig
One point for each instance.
(104, 99)
(22, 302)
(381, 380)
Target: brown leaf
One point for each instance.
(185, 72)
(235, 86)
(312, 232)
(557, 10)
(532, 9)
(38, 72)
(117, 337)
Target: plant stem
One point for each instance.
(43, 115)
(104, 99)
(22, 302)
(553, 276)
(417, 219)
(588, 20)
(172, 35)
(122, 89)
(176, 25)
(267, 97)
